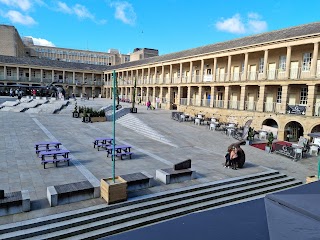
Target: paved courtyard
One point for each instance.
(157, 140)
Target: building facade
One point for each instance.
(271, 78)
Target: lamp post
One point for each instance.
(114, 124)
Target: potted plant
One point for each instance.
(86, 117)
(75, 112)
(250, 135)
(270, 139)
(98, 116)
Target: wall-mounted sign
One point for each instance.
(296, 109)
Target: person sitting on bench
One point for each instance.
(234, 158)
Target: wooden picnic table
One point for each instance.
(54, 154)
(47, 146)
(102, 142)
(120, 150)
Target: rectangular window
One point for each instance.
(9, 73)
(44, 74)
(279, 93)
(303, 96)
(282, 63)
(242, 67)
(33, 72)
(261, 65)
(306, 63)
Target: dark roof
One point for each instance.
(32, 61)
(287, 33)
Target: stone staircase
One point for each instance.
(105, 220)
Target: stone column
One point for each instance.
(5, 72)
(245, 70)
(312, 90)
(200, 96)
(148, 79)
(179, 94)
(170, 74)
(170, 97)
(242, 97)
(214, 70)
(265, 63)
(154, 96)
(18, 75)
(284, 99)
(229, 68)
(288, 62)
(201, 70)
(52, 76)
(190, 72)
(30, 74)
(314, 60)
(180, 77)
(261, 98)
(162, 74)
(147, 94)
(188, 95)
(41, 75)
(212, 95)
(226, 97)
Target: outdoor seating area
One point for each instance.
(14, 202)
(50, 152)
(138, 181)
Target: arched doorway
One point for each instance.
(270, 125)
(293, 131)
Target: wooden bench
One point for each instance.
(14, 202)
(137, 181)
(73, 192)
(44, 162)
(179, 173)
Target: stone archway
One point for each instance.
(293, 131)
(315, 129)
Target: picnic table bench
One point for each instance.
(102, 142)
(121, 150)
(72, 192)
(47, 146)
(137, 181)
(57, 156)
(180, 172)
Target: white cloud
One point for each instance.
(233, 25)
(17, 17)
(82, 11)
(78, 10)
(63, 7)
(41, 42)
(236, 24)
(124, 12)
(22, 4)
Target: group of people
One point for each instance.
(232, 158)
(17, 92)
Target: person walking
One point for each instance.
(11, 92)
(148, 105)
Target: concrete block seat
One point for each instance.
(72, 192)
(14, 202)
(137, 181)
(179, 173)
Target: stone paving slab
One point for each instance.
(21, 169)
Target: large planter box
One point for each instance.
(311, 179)
(98, 119)
(113, 192)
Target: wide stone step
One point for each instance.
(119, 216)
(176, 193)
(115, 226)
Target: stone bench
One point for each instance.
(14, 202)
(73, 192)
(137, 181)
(179, 173)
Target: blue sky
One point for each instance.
(166, 25)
